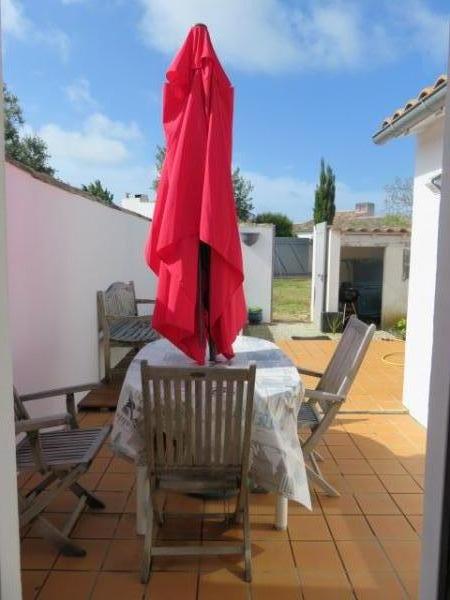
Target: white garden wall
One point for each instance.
(62, 248)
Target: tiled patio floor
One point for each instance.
(362, 545)
(378, 386)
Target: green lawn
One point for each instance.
(291, 298)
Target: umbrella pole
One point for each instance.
(204, 285)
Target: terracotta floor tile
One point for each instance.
(99, 465)
(349, 527)
(348, 451)
(338, 481)
(338, 439)
(410, 504)
(182, 503)
(325, 586)
(218, 529)
(118, 585)
(90, 480)
(32, 582)
(417, 522)
(65, 502)
(341, 505)
(70, 585)
(116, 482)
(404, 555)
(124, 555)
(263, 528)
(114, 502)
(95, 555)
(363, 555)
(95, 526)
(126, 529)
(316, 556)
(182, 528)
(364, 483)
(262, 504)
(37, 554)
(130, 506)
(272, 556)
(313, 528)
(374, 585)
(400, 484)
(420, 480)
(411, 584)
(172, 586)
(119, 465)
(354, 466)
(371, 449)
(280, 586)
(414, 466)
(379, 503)
(387, 466)
(392, 527)
(222, 585)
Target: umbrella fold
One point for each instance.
(194, 244)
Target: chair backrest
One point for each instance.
(347, 358)
(197, 418)
(119, 299)
(20, 412)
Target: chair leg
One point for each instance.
(58, 539)
(318, 456)
(107, 352)
(321, 482)
(247, 540)
(147, 556)
(91, 500)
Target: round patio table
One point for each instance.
(276, 459)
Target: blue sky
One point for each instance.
(312, 78)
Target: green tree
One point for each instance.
(324, 207)
(31, 150)
(283, 224)
(242, 187)
(96, 189)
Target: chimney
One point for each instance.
(365, 209)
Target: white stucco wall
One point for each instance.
(333, 270)
(62, 248)
(142, 207)
(395, 286)
(423, 272)
(258, 267)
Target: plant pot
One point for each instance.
(255, 316)
(331, 322)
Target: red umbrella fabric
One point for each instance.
(195, 206)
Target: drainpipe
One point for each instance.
(401, 126)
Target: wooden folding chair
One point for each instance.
(197, 431)
(323, 403)
(61, 456)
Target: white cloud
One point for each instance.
(100, 141)
(295, 197)
(272, 36)
(17, 25)
(14, 21)
(79, 93)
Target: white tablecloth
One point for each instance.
(276, 460)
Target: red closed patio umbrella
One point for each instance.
(194, 245)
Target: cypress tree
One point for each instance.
(324, 207)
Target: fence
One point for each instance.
(293, 256)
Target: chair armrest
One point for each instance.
(309, 372)
(85, 387)
(144, 301)
(37, 423)
(320, 395)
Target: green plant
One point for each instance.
(324, 207)
(102, 193)
(335, 322)
(254, 309)
(400, 328)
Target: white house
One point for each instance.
(423, 117)
(139, 203)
